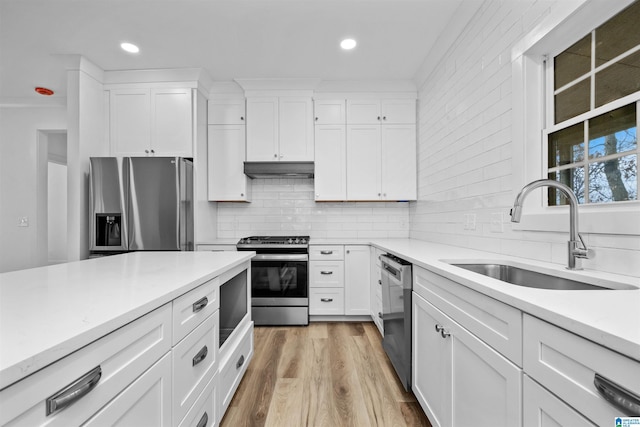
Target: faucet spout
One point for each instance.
(577, 248)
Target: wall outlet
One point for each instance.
(470, 221)
(23, 221)
(497, 222)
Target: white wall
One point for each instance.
(465, 147)
(18, 176)
(287, 207)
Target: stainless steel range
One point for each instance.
(279, 279)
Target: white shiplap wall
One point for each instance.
(465, 148)
(287, 207)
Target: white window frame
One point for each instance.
(567, 22)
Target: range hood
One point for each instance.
(279, 169)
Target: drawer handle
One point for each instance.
(203, 420)
(380, 314)
(200, 356)
(439, 328)
(240, 362)
(619, 397)
(326, 272)
(326, 299)
(200, 304)
(74, 391)
(380, 282)
(326, 252)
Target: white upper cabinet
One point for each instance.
(151, 122)
(363, 162)
(382, 111)
(279, 129)
(330, 163)
(399, 162)
(226, 111)
(226, 152)
(330, 111)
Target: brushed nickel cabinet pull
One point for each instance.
(326, 299)
(74, 391)
(326, 272)
(622, 399)
(240, 362)
(200, 304)
(203, 420)
(326, 252)
(202, 354)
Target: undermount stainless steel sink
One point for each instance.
(533, 279)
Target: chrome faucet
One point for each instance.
(576, 247)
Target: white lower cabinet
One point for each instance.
(114, 362)
(234, 360)
(542, 409)
(146, 402)
(326, 301)
(457, 378)
(356, 280)
(204, 413)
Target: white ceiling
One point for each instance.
(229, 38)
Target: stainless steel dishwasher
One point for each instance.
(396, 315)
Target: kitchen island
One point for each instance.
(51, 314)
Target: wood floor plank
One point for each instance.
(326, 374)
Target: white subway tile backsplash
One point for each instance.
(465, 147)
(287, 206)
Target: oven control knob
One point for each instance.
(303, 241)
(290, 241)
(297, 241)
(247, 240)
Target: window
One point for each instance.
(593, 92)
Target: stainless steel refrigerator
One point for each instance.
(140, 204)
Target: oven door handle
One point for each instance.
(281, 257)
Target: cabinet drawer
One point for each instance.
(495, 323)
(326, 252)
(146, 402)
(122, 356)
(566, 364)
(233, 368)
(190, 309)
(542, 409)
(195, 362)
(326, 301)
(204, 411)
(326, 274)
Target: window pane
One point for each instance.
(573, 101)
(614, 180)
(613, 132)
(566, 146)
(618, 80)
(572, 63)
(574, 179)
(618, 35)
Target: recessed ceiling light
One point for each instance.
(129, 47)
(348, 44)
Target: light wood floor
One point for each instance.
(326, 374)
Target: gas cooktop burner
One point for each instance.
(263, 241)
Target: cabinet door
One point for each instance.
(146, 402)
(363, 111)
(398, 111)
(226, 154)
(431, 363)
(172, 122)
(330, 162)
(486, 389)
(226, 111)
(296, 129)
(356, 280)
(363, 162)
(130, 122)
(399, 162)
(329, 112)
(542, 409)
(262, 129)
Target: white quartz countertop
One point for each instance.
(47, 313)
(608, 317)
